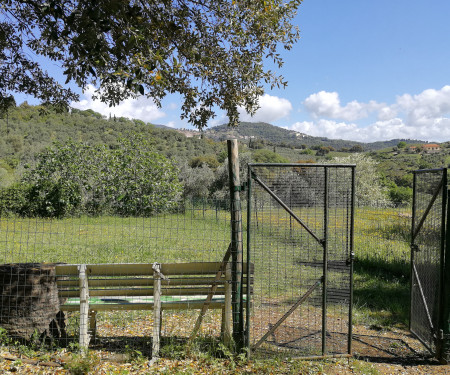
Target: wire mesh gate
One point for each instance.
(429, 262)
(300, 240)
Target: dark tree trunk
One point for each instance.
(29, 301)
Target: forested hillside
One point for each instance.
(251, 132)
(199, 158)
(25, 130)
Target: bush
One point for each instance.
(74, 178)
(13, 200)
(401, 194)
(267, 156)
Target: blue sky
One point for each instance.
(362, 70)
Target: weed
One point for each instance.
(82, 363)
(362, 367)
(4, 338)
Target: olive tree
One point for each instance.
(212, 52)
(369, 189)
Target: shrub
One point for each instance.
(74, 177)
(401, 194)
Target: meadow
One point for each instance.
(201, 232)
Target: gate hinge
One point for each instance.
(243, 187)
(350, 259)
(443, 336)
(414, 247)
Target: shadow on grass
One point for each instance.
(381, 293)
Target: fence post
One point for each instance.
(236, 242)
(444, 350)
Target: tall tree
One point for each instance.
(210, 51)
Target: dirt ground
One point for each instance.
(393, 351)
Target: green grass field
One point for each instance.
(194, 236)
(381, 247)
(285, 256)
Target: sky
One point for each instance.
(362, 70)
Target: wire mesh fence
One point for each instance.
(288, 263)
(300, 242)
(196, 235)
(382, 237)
(428, 241)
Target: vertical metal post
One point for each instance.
(249, 217)
(352, 255)
(443, 349)
(446, 308)
(325, 264)
(413, 224)
(236, 241)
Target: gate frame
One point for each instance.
(322, 241)
(441, 333)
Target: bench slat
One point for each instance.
(182, 305)
(138, 269)
(140, 292)
(143, 292)
(140, 281)
(116, 282)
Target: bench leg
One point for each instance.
(84, 307)
(93, 323)
(156, 310)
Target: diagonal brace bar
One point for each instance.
(430, 321)
(282, 204)
(212, 290)
(425, 214)
(291, 310)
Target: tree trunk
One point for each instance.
(29, 301)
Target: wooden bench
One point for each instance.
(90, 288)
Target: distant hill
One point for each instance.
(274, 135)
(27, 130)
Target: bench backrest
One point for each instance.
(182, 279)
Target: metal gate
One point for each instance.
(300, 240)
(428, 247)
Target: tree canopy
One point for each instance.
(212, 52)
(76, 178)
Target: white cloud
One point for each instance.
(426, 107)
(272, 108)
(424, 116)
(141, 108)
(328, 104)
(326, 128)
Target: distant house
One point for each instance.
(431, 148)
(428, 148)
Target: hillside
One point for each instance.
(274, 135)
(26, 131)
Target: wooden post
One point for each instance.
(156, 310)
(84, 307)
(236, 241)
